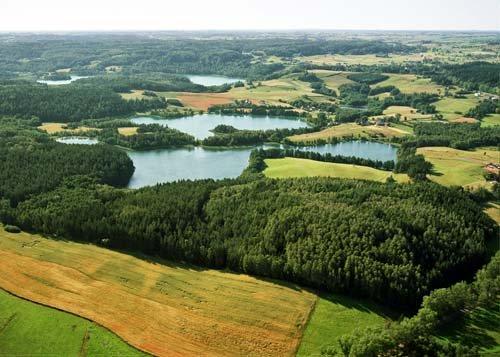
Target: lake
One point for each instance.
(208, 80)
(58, 83)
(167, 165)
(200, 125)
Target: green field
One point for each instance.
(455, 108)
(292, 167)
(410, 83)
(335, 316)
(29, 329)
(454, 167)
(491, 120)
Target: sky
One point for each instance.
(105, 15)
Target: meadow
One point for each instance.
(292, 167)
(407, 113)
(454, 167)
(455, 108)
(410, 83)
(30, 329)
(350, 130)
(54, 128)
(157, 306)
(334, 316)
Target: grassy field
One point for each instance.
(128, 131)
(333, 79)
(52, 128)
(491, 120)
(292, 167)
(157, 306)
(407, 113)
(410, 83)
(134, 94)
(351, 129)
(334, 316)
(455, 108)
(29, 329)
(459, 167)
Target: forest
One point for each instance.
(392, 243)
(69, 104)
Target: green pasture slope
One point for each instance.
(28, 329)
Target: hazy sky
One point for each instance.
(34, 15)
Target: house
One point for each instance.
(493, 168)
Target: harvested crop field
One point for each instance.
(350, 130)
(157, 306)
(203, 101)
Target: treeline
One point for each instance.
(442, 308)
(248, 108)
(69, 103)
(274, 153)
(471, 76)
(227, 135)
(461, 136)
(484, 108)
(393, 243)
(160, 82)
(32, 163)
(150, 136)
(367, 78)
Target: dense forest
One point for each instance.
(458, 136)
(32, 163)
(69, 103)
(393, 243)
(441, 309)
(91, 55)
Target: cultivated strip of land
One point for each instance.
(156, 306)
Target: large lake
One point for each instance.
(167, 165)
(208, 80)
(200, 125)
(58, 83)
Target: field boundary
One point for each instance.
(74, 314)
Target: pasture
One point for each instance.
(350, 130)
(29, 329)
(407, 113)
(134, 94)
(334, 316)
(454, 167)
(293, 167)
(455, 108)
(491, 120)
(410, 83)
(157, 306)
(332, 79)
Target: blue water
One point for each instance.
(208, 80)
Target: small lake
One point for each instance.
(58, 83)
(200, 125)
(167, 165)
(208, 80)
(77, 140)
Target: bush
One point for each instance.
(12, 229)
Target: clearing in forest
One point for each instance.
(157, 306)
(410, 83)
